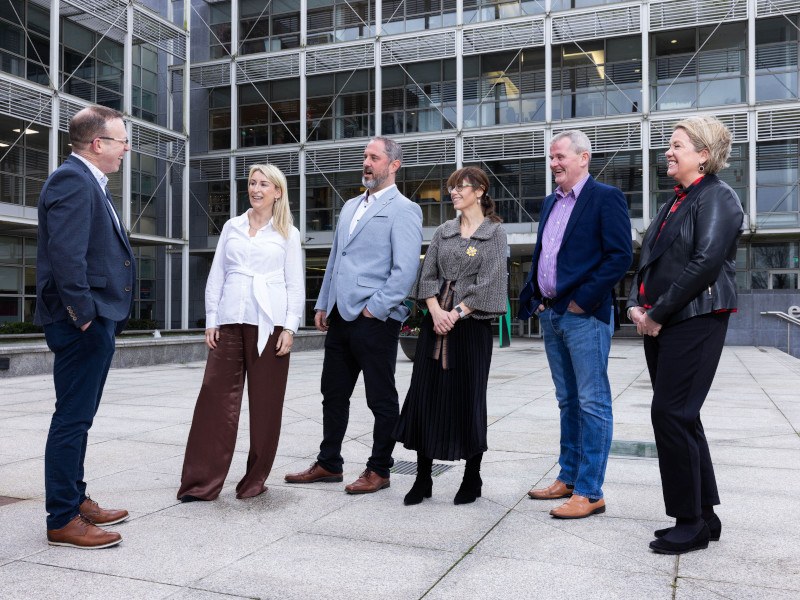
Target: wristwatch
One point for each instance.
(460, 311)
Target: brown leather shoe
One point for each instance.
(81, 533)
(101, 516)
(313, 474)
(558, 489)
(368, 482)
(578, 507)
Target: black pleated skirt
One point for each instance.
(444, 415)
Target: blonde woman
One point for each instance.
(254, 303)
(681, 299)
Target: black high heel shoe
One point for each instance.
(714, 529)
(700, 540)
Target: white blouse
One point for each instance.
(256, 280)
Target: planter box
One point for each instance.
(408, 344)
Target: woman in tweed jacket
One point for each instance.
(463, 284)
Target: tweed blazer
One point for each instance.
(476, 265)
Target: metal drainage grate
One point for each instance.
(640, 449)
(406, 467)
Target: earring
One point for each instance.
(701, 168)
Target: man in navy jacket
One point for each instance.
(85, 275)
(583, 248)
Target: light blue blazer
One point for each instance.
(377, 265)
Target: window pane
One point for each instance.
(10, 280)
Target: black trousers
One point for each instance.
(682, 361)
(352, 347)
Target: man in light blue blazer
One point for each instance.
(372, 266)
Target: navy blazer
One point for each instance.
(595, 253)
(84, 264)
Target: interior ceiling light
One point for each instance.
(3, 145)
(673, 41)
(27, 131)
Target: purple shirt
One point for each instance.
(553, 235)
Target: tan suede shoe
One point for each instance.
(558, 489)
(578, 507)
(81, 533)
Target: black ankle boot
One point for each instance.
(471, 484)
(423, 484)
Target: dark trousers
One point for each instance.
(352, 347)
(212, 437)
(682, 361)
(82, 360)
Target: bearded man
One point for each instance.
(371, 268)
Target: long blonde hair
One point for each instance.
(281, 213)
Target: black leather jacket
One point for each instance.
(690, 269)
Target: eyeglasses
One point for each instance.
(458, 188)
(103, 137)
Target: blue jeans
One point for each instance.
(577, 349)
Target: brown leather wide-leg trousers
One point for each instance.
(212, 437)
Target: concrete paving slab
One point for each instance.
(33, 582)
(305, 566)
(601, 543)
(189, 593)
(693, 589)
(24, 529)
(748, 558)
(175, 435)
(503, 578)
(23, 478)
(168, 549)
(436, 523)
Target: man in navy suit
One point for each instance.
(85, 274)
(583, 248)
(371, 268)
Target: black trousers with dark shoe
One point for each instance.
(367, 346)
(682, 361)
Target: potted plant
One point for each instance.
(409, 333)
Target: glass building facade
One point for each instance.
(303, 84)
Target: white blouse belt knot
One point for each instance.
(261, 283)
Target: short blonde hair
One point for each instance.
(711, 134)
(281, 213)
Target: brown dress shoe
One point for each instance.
(368, 482)
(81, 533)
(578, 507)
(313, 474)
(101, 516)
(558, 489)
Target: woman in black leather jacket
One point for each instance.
(681, 299)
